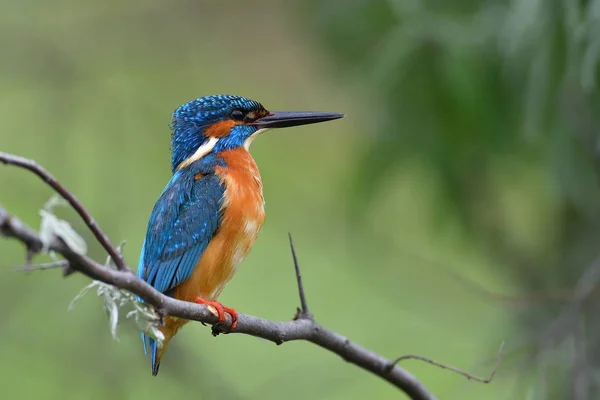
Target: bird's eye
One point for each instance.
(237, 115)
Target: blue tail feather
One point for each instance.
(144, 341)
(155, 364)
(148, 341)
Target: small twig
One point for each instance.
(454, 369)
(42, 266)
(303, 311)
(73, 201)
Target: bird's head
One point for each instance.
(225, 122)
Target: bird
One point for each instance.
(210, 213)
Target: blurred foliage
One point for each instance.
(498, 101)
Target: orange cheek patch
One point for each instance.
(199, 176)
(220, 129)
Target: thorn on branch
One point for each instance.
(466, 374)
(302, 312)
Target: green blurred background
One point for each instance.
(454, 207)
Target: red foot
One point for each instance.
(221, 310)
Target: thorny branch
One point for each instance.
(303, 327)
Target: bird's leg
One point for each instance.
(221, 310)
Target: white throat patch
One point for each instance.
(251, 138)
(201, 152)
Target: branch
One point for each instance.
(37, 169)
(303, 327)
(277, 332)
(451, 368)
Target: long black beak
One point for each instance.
(283, 119)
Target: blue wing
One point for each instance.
(183, 221)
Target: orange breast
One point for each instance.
(243, 216)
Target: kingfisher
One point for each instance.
(210, 213)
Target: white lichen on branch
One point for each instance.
(52, 226)
(114, 298)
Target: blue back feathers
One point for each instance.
(190, 120)
(184, 219)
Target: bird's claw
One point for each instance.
(221, 310)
